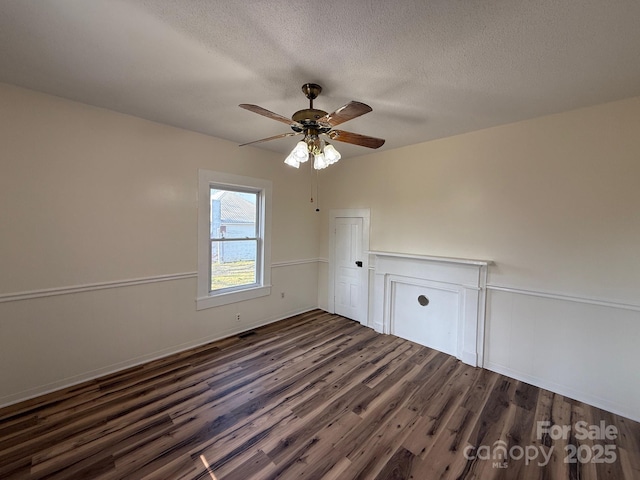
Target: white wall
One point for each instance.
(579, 349)
(89, 197)
(554, 203)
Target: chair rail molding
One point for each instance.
(89, 287)
(129, 282)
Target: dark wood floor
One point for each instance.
(314, 396)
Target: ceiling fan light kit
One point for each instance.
(298, 155)
(315, 124)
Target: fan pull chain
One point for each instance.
(311, 178)
(317, 191)
(311, 185)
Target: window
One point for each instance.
(233, 238)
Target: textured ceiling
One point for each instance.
(429, 69)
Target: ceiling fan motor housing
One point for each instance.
(308, 115)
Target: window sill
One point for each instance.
(218, 299)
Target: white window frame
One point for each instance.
(206, 180)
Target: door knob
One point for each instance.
(358, 263)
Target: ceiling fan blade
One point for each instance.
(275, 137)
(267, 113)
(346, 112)
(356, 139)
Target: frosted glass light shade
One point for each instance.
(331, 155)
(320, 162)
(324, 154)
(292, 160)
(301, 152)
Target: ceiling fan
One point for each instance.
(316, 124)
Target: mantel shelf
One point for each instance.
(461, 261)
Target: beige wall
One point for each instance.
(555, 203)
(90, 196)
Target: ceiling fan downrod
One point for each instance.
(311, 91)
(309, 116)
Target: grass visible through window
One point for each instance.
(232, 274)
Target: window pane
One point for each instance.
(233, 214)
(233, 264)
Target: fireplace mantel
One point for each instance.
(436, 301)
(432, 258)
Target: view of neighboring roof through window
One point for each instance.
(234, 231)
(234, 238)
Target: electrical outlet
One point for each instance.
(281, 294)
(237, 317)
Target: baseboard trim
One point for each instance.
(469, 358)
(564, 391)
(117, 367)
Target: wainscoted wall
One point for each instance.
(98, 213)
(579, 347)
(323, 285)
(52, 341)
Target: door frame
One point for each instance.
(365, 214)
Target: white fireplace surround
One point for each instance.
(456, 314)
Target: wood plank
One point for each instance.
(314, 396)
(316, 456)
(399, 465)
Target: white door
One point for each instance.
(350, 276)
